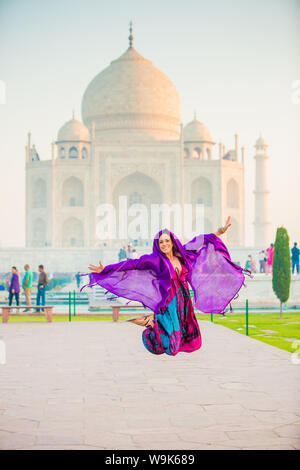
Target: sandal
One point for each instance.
(144, 320)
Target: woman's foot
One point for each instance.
(146, 320)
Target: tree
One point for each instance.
(282, 266)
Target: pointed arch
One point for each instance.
(138, 188)
(73, 152)
(72, 192)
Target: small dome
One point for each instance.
(196, 131)
(73, 130)
(260, 142)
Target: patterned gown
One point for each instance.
(175, 328)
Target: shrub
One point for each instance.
(281, 279)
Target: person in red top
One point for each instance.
(270, 252)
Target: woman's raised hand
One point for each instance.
(222, 230)
(227, 224)
(96, 269)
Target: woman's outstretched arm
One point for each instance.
(144, 262)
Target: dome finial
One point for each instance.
(73, 114)
(130, 37)
(195, 115)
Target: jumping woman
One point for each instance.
(160, 281)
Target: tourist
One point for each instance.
(160, 281)
(122, 253)
(41, 288)
(248, 263)
(134, 254)
(270, 252)
(27, 286)
(14, 286)
(262, 261)
(295, 258)
(129, 251)
(77, 278)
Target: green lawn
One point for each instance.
(266, 327)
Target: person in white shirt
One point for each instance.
(129, 252)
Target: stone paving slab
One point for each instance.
(93, 385)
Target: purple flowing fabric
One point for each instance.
(214, 278)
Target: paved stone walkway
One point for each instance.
(92, 385)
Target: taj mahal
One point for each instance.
(131, 142)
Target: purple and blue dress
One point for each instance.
(152, 280)
(176, 328)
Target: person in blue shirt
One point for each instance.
(295, 258)
(122, 254)
(41, 288)
(77, 277)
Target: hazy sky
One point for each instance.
(234, 61)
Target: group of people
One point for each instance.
(14, 287)
(266, 260)
(127, 253)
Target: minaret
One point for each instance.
(261, 221)
(243, 154)
(27, 209)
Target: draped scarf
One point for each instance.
(213, 276)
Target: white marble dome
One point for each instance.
(131, 94)
(73, 130)
(196, 131)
